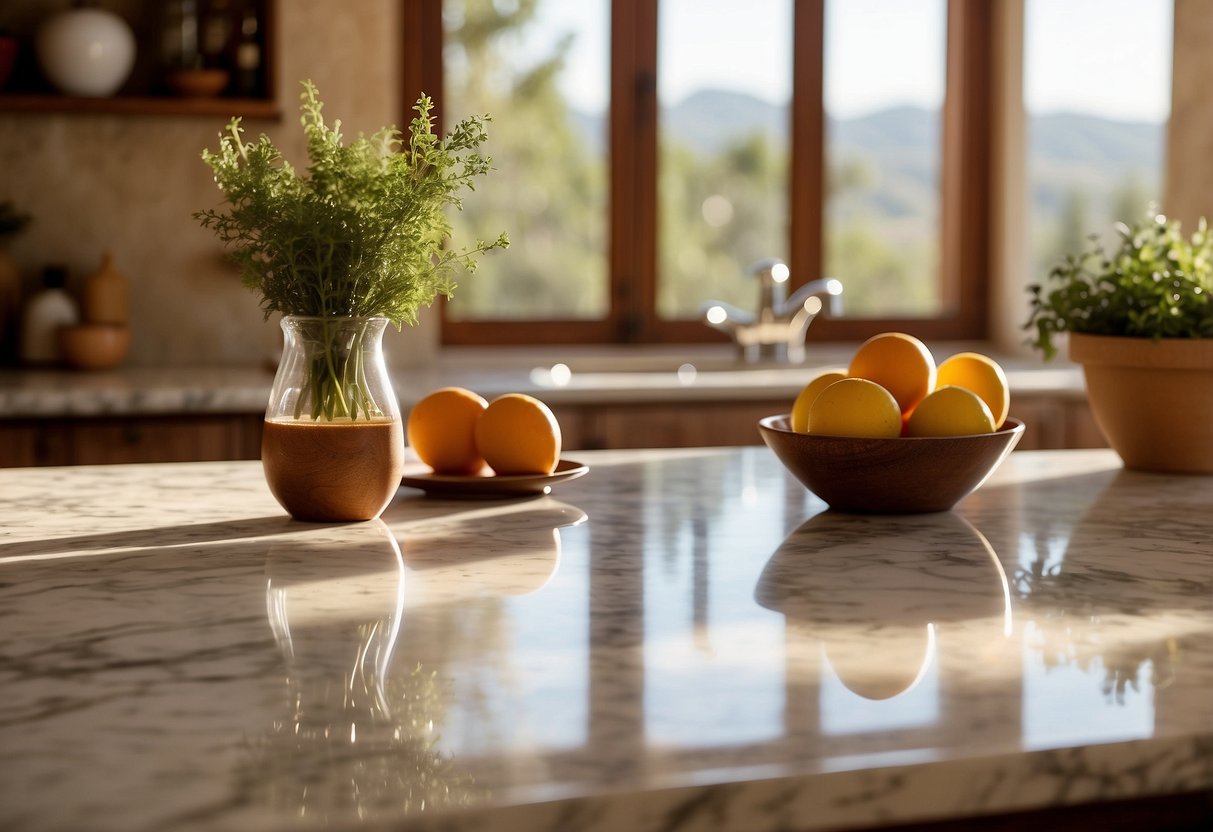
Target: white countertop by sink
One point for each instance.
(653, 376)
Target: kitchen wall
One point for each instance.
(130, 183)
(1189, 183)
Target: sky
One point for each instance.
(1105, 57)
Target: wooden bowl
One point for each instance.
(94, 346)
(198, 83)
(904, 475)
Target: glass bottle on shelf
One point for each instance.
(179, 43)
(216, 38)
(249, 83)
(50, 308)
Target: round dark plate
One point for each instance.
(418, 475)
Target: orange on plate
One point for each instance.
(899, 363)
(950, 411)
(442, 430)
(981, 374)
(518, 434)
(855, 407)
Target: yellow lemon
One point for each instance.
(950, 411)
(518, 434)
(800, 408)
(981, 374)
(899, 363)
(441, 430)
(855, 407)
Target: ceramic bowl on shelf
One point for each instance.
(198, 83)
(94, 346)
(901, 475)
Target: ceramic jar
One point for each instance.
(106, 295)
(86, 51)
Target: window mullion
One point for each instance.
(633, 141)
(806, 195)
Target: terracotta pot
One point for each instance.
(1153, 400)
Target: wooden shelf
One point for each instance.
(144, 93)
(253, 108)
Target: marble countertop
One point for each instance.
(659, 376)
(679, 640)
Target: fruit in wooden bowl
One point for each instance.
(889, 475)
(895, 433)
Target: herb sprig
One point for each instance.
(363, 231)
(1156, 284)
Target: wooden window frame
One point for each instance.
(965, 181)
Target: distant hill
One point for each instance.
(1083, 139)
(708, 120)
(1070, 153)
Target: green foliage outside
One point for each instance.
(701, 259)
(548, 187)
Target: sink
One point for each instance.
(671, 368)
(687, 374)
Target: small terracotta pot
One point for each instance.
(1153, 400)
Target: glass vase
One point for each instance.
(333, 443)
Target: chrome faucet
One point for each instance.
(777, 332)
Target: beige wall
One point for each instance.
(1189, 183)
(130, 183)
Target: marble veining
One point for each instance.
(680, 640)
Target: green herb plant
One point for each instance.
(1156, 284)
(361, 233)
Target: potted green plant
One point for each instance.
(1139, 319)
(353, 243)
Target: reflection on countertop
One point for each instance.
(559, 376)
(679, 637)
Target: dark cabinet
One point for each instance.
(107, 440)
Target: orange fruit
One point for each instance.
(899, 363)
(855, 407)
(518, 434)
(800, 408)
(950, 411)
(442, 430)
(981, 374)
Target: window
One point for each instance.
(545, 76)
(724, 93)
(1096, 119)
(883, 153)
(650, 152)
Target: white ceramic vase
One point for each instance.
(86, 51)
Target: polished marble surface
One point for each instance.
(678, 640)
